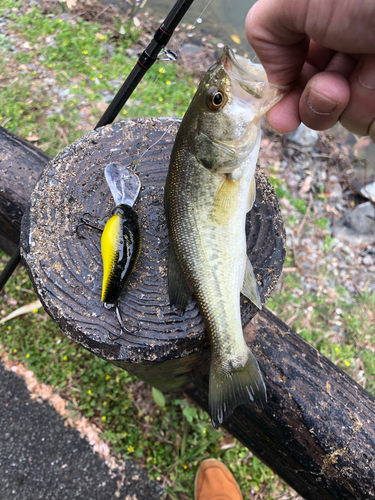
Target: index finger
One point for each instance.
(279, 32)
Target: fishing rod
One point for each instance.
(145, 61)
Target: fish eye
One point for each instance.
(215, 99)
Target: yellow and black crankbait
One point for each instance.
(121, 237)
(121, 246)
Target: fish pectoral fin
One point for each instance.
(178, 289)
(250, 286)
(228, 389)
(252, 195)
(225, 202)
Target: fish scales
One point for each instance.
(209, 189)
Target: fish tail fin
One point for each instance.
(230, 388)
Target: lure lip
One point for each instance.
(123, 183)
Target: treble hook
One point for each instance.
(123, 328)
(87, 223)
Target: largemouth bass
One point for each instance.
(209, 189)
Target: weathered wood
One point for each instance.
(20, 167)
(318, 428)
(67, 270)
(317, 431)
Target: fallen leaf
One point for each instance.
(236, 39)
(22, 310)
(136, 22)
(306, 186)
(32, 138)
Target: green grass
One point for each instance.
(283, 192)
(339, 325)
(83, 60)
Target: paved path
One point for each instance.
(41, 458)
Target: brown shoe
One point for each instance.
(215, 482)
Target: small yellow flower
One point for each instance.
(107, 377)
(164, 408)
(161, 99)
(125, 434)
(104, 417)
(124, 112)
(65, 43)
(347, 363)
(65, 358)
(336, 349)
(50, 65)
(89, 391)
(185, 467)
(104, 403)
(27, 355)
(85, 51)
(1, 117)
(14, 350)
(131, 449)
(35, 310)
(168, 82)
(60, 20)
(161, 70)
(92, 78)
(100, 76)
(102, 37)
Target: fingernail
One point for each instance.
(366, 74)
(320, 104)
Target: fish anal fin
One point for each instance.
(229, 389)
(250, 286)
(226, 201)
(178, 289)
(252, 195)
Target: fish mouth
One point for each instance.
(252, 75)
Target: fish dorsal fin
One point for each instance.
(225, 202)
(250, 287)
(178, 289)
(252, 195)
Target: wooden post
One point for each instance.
(318, 428)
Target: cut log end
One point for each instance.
(66, 267)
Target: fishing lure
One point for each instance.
(121, 237)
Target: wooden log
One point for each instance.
(21, 164)
(318, 428)
(67, 270)
(317, 431)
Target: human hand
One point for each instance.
(327, 48)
